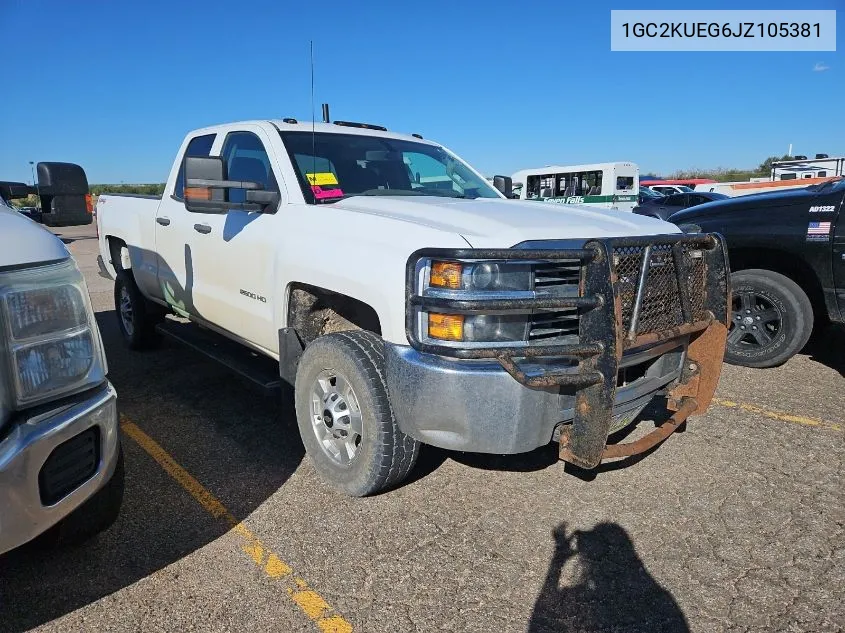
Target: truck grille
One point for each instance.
(551, 276)
(70, 465)
(558, 279)
(661, 307)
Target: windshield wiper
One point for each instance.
(393, 192)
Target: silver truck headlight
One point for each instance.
(476, 280)
(480, 276)
(49, 333)
(482, 328)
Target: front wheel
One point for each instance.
(771, 319)
(345, 418)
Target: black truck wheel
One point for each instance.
(345, 418)
(771, 319)
(136, 316)
(92, 517)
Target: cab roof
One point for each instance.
(307, 126)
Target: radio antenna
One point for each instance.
(313, 133)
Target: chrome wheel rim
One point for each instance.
(336, 417)
(126, 312)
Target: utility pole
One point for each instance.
(35, 185)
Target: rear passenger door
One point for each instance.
(174, 231)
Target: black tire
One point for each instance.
(137, 328)
(385, 455)
(771, 319)
(95, 515)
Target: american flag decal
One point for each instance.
(818, 228)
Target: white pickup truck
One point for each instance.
(409, 301)
(61, 468)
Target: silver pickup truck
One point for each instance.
(61, 467)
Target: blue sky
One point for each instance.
(115, 86)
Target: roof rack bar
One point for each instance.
(366, 126)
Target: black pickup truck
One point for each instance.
(787, 259)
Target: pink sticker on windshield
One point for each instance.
(321, 193)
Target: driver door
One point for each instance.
(234, 252)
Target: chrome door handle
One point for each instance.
(163, 221)
(202, 228)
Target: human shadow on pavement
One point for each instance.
(597, 583)
(241, 447)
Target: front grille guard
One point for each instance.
(604, 332)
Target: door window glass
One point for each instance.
(198, 146)
(247, 160)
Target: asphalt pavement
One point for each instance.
(735, 525)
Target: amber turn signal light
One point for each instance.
(197, 193)
(448, 327)
(446, 275)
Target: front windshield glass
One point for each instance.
(331, 167)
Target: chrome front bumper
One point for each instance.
(477, 406)
(26, 448)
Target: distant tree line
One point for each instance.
(724, 174)
(154, 189)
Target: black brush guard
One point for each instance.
(634, 292)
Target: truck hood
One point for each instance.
(498, 223)
(23, 242)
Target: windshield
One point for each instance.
(331, 167)
(836, 184)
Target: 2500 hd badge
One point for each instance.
(252, 295)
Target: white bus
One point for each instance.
(605, 185)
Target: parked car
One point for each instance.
(377, 296)
(645, 194)
(787, 259)
(33, 213)
(668, 190)
(667, 205)
(61, 467)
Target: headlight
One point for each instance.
(481, 276)
(49, 333)
(477, 328)
(485, 279)
(690, 228)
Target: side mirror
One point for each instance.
(504, 184)
(63, 191)
(207, 188)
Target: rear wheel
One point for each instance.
(345, 418)
(136, 316)
(771, 319)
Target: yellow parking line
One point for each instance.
(779, 415)
(309, 601)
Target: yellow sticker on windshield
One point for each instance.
(323, 178)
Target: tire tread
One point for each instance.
(397, 452)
